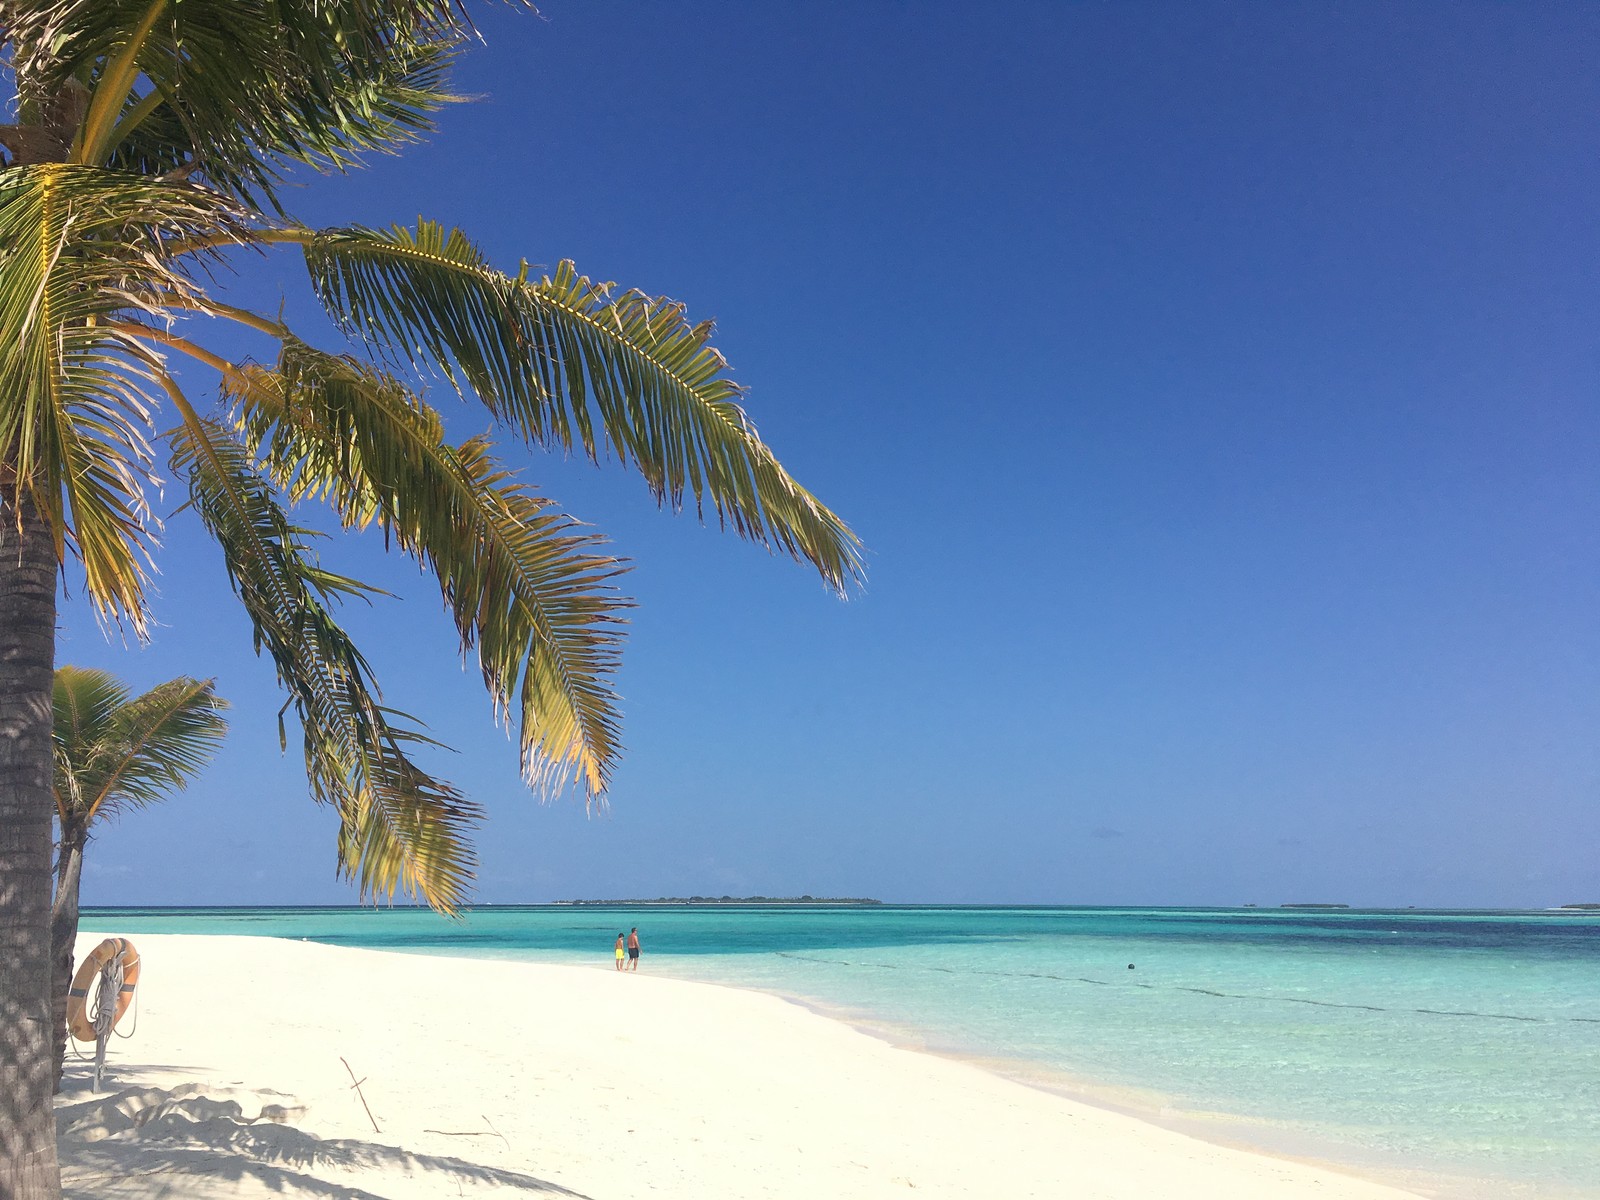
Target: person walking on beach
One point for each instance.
(619, 952)
(633, 949)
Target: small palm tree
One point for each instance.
(142, 168)
(114, 753)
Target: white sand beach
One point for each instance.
(565, 1081)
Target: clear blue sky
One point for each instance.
(1214, 386)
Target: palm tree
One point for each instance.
(144, 164)
(115, 752)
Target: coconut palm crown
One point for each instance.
(144, 158)
(167, 128)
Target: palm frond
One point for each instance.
(401, 829)
(569, 364)
(233, 91)
(78, 247)
(85, 702)
(522, 581)
(168, 735)
(114, 753)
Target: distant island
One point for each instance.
(1585, 907)
(835, 900)
(1313, 906)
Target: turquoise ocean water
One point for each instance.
(1454, 1052)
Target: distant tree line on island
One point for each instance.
(733, 900)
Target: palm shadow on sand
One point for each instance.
(199, 1141)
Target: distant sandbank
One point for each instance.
(742, 901)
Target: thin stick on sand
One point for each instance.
(356, 1083)
(497, 1133)
(493, 1132)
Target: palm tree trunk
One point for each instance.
(28, 1169)
(63, 933)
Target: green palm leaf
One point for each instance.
(400, 829)
(521, 581)
(114, 753)
(85, 706)
(569, 364)
(235, 89)
(77, 248)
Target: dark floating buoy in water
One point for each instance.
(1130, 966)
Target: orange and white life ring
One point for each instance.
(111, 950)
